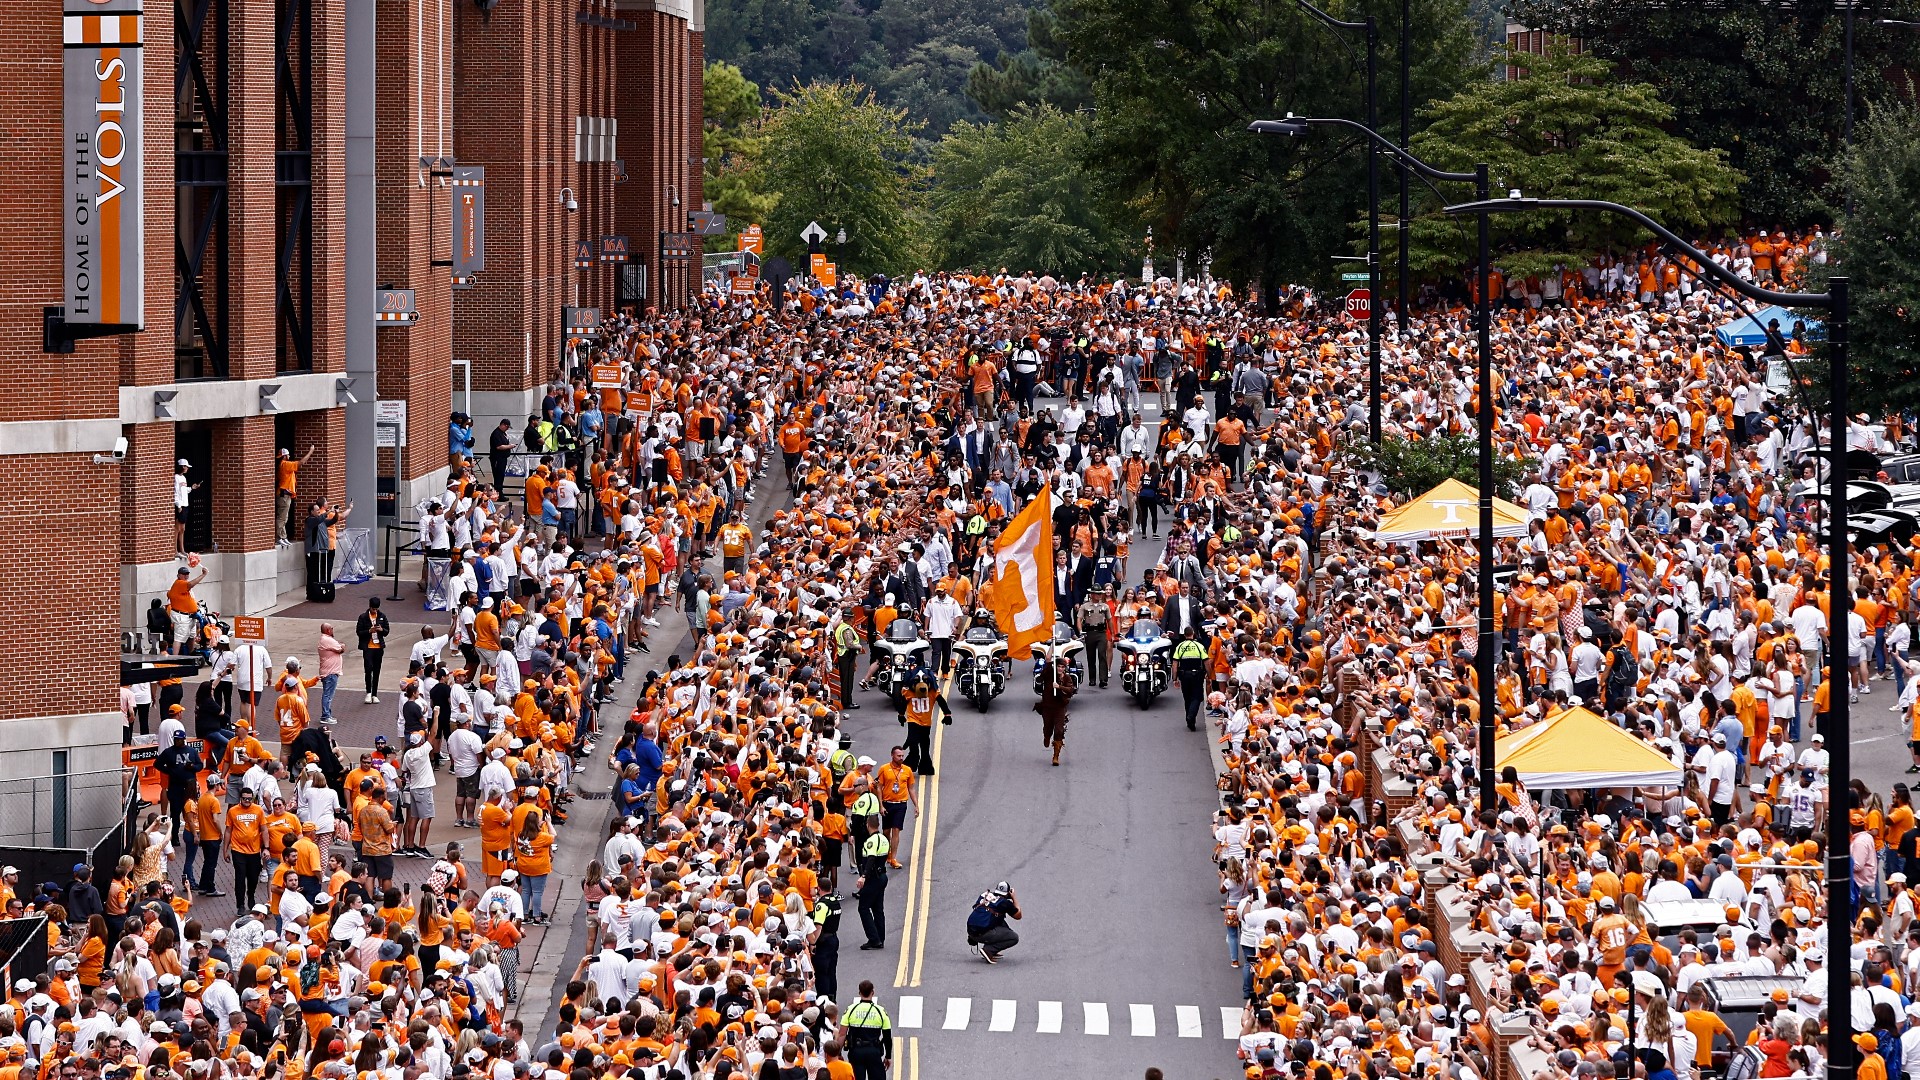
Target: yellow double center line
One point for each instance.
(913, 946)
(913, 942)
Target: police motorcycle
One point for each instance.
(981, 665)
(1146, 660)
(1063, 644)
(902, 649)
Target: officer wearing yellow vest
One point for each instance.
(839, 764)
(864, 817)
(1190, 667)
(867, 1032)
(826, 945)
(846, 656)
(870, 888)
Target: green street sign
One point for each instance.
(1355, 277)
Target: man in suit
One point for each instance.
(1183, 612)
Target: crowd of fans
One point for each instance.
(1669, 581)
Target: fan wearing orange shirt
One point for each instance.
(894, 784)
(290, 708)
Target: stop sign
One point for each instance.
(1360, 303)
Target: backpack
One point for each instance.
(1624, 674)
(980, 918)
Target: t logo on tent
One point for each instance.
(1452, 507)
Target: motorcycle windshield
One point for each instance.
(903, 631)
(1062, 633)
(1144, 630)
(982, 635)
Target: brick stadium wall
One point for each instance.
(59, 579)
(515, 70)
(416, 362)
(656, 69)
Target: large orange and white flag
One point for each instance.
(1021, 592)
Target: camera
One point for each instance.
(119, 453)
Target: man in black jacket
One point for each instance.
(499, 450)
(181, 765)
(371, 630)
(83, 899)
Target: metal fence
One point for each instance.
(50, 823)
(66, 810)
(721, 265)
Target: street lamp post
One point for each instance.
(1483, 657)
(1841, 1062)
(1373, 210)
(1401, 313)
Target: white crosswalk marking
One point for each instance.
(1049, 1018)
(1142, 1020)
(1187, 1018)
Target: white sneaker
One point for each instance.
(375, 699)
(651, 621)
(371, 699)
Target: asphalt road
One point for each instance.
(1878, 738)
(1122, 961)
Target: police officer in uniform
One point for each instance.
(871, 889)
(919, 698)
(864, 818)
(839, 764)
(846, 656)
(1094, 619)
(1190, 667)
(867, 1032)
(826, 945)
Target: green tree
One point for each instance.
(915, 54)
(1013, 194)
(1038, 74)
(1176, 84)
(731, 143)
(1761, 79)
(1565, 130)
(1410, 467)
(1877, 245)
(836, 155)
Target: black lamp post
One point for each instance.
(1373, 210)
(1483, 657)
(1841, 1062)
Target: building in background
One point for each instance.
(286, 269)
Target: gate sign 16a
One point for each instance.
(102, 229)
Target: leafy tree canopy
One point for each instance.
(1410, 467)
(1176, 84)
(731, 143)
(1038, 74)
(1002, 198)
(836, 155)
(1762, 80)
(916, 54)
(1877, 245)
(1566, 130)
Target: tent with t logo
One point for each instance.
(1450, 510)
